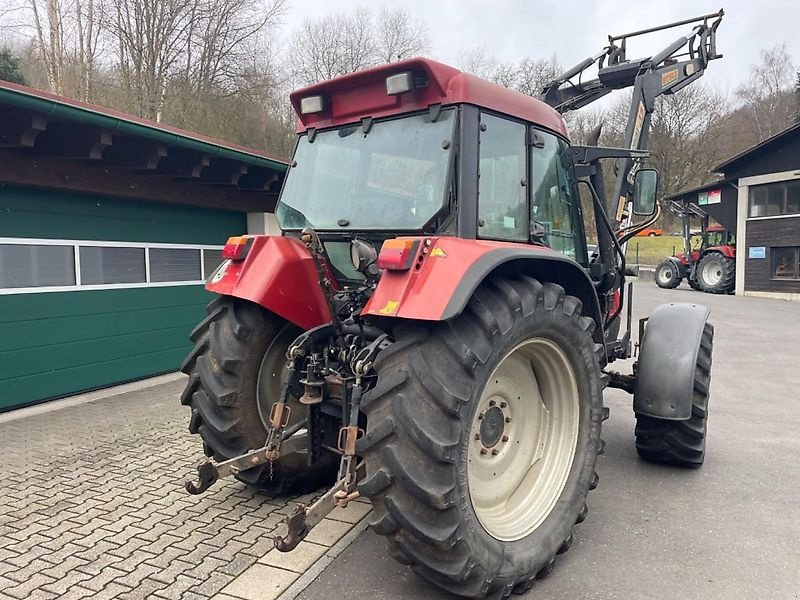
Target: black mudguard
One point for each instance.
(667, 359)
(683, 271)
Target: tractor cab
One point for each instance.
(417, 147)
(717, 236)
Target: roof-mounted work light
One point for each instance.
(400, 83)
(311, 104)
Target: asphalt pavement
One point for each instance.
(728, 530)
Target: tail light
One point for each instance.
(236, 247)
(397, 255)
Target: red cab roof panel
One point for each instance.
(354, 96)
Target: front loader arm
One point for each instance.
(676, 66)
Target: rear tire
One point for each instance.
(426, 477)
(667, 275)
(235, 344)
(716, 273)
(681, 443)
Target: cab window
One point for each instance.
(502, 204)
(555, 215)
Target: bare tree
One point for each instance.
(534, 73)
(528, 76)
(89, 30)
(150, 38)
(48, 20)
(767, 94)
(400, 36)
(797, 98)
(333, 45)
(479, 61)
(223, 38)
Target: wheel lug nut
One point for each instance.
(492, 402)
(480, 417)
(508, 419)
(495, 452)
(483, 451)
(505, 438)
(477, 436)
(503, 404)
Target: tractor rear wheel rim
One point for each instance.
(523, 439)
(712, 272)
(271, 374)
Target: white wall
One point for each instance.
(262, 223)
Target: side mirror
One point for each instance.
(645, 189)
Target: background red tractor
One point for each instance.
(708, 260)
(429, 331)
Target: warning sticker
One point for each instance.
(637, 127)
(669, 77)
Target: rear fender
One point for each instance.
(447, 271)
(726, 251)
(667, 359)
(279, 274)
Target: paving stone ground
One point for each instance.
(92, 505)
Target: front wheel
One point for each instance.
(482, 438)
(667, 275)
(681, 443)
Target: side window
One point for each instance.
(502, 204)
(554, 211)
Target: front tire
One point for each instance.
(681, 443)
(234, 372)
(517, 373)
(667, 276)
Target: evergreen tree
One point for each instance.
(10, 67)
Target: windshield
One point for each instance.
(393, 177)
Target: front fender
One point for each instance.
(447, 271)
(667, 359)
(279, 274)
(680, 265)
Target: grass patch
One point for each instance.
(652, 250)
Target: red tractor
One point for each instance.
(708, 265)
(429, 332)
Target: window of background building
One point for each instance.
(785, 262)
(774, 199)
(33, 265)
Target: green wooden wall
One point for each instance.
(40, 213)
(58, 343)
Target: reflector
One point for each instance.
(397, 254)
(236, 247)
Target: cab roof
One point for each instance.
(351, 97)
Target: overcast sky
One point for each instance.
(575, 29)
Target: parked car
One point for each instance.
(650, 232)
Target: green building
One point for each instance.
(109, 225)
